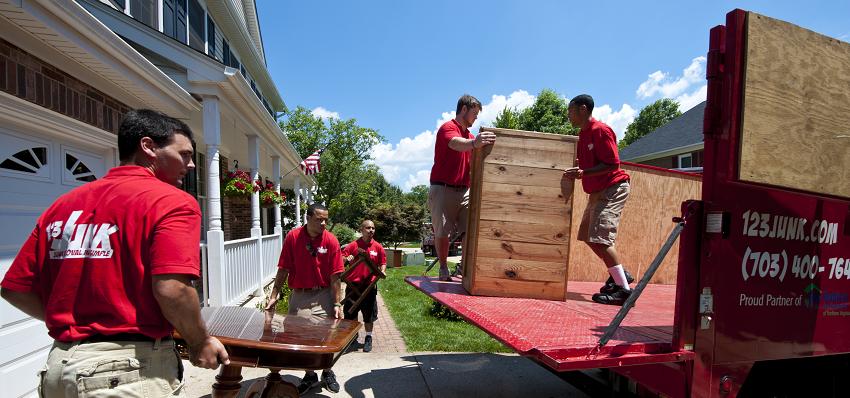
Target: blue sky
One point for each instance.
(400, 66)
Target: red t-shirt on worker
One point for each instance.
(450, 166)
(310, 261)
(598, 144)
(376, 254)
(92, 254)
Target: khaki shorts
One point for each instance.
(449, 209)
(602, 215)
(112, 369)
(314, 304)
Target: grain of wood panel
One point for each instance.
(546, 234)
(522, 270)
(524, 212)
(656, 197)
(505, 249)
(529, 289)
(470, 242)
(796, 112)
(529, 194)
(520, 175)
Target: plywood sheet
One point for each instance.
(656, 197)
(796, 117)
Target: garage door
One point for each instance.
(33, 173)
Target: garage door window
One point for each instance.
(26, 161)
(78, 169)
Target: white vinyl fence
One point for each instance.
(245, 267)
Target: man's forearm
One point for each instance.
(29, 302)
(179, 303)
(462, 144)
(336, 287)
(600, 168)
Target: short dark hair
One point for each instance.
(311, 210)
(583, 99)
(141, 123)
(469, 101)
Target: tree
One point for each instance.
(650, 118)
(548, 114)
(508, 118)
(344, 171)
(396, 223)
(417, 195)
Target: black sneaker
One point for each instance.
(367, 344)
(610, 285)
(309, 381)
(617, 297)
(329, 380)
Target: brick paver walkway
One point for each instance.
(385, 335)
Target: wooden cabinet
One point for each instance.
(523, 219)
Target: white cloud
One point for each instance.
(618, 120)
(324, 113)
(690, 100)
(661, 83)
(519, 100)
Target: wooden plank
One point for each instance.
(530, 194)
(546, 234)
(522, 270)
(470, 242)
(656, 197)
(504, 249)
(512, 288)
(524, 212)
(796, 111)
(519, 175)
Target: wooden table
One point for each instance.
(260, 339)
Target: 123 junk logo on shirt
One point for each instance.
(73, 240)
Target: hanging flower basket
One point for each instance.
(238, 183)
(269, 196)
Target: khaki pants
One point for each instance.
(602, 215)
(449, 209)
(112, 369)
(315, 304)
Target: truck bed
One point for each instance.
(561, 334)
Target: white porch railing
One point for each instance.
(245, 267)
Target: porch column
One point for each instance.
(254, 159)
(297, 189)
(214, 274)
(278, 229)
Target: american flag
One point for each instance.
(311, 165)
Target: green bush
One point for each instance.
(344, 234)
(440, 311)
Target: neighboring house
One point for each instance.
(675, 145)
(70, 70)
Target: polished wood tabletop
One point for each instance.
(258, 338)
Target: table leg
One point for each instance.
(227, 382)
(277, 387)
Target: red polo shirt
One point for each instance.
(306, 270)
(376, 254)
(92, 254)
(450, 166)
(598, 144)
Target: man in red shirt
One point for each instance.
(448, 196)
(310, 263)
(608, 185)
(108, 268)
(362, 277)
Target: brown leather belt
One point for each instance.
(449, 185)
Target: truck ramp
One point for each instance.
(563, 334)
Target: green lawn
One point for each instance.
(410, 309)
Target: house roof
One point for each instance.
(681, 134)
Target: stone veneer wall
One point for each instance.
(29, 78)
